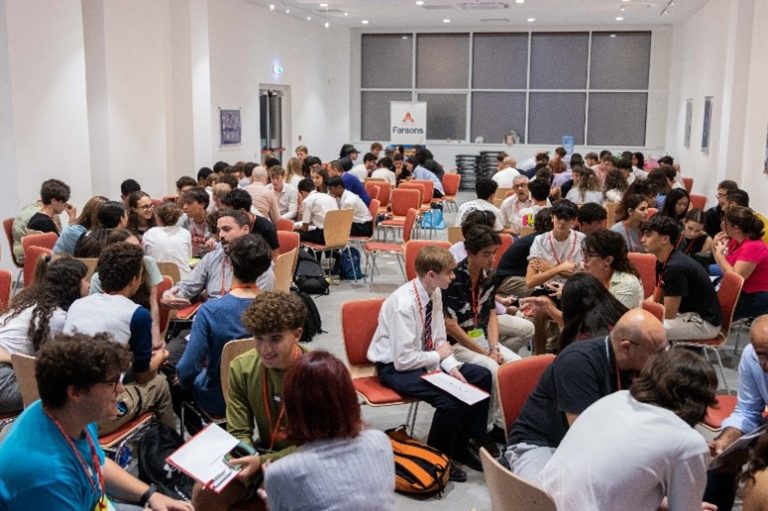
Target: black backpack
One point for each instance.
(309, 276)
(313, 324)
(157, 443)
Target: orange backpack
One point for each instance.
(419, 468)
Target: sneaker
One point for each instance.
(489, 443)
(466, 455)
(456, 474)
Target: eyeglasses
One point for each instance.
(589, 255)
(146, 207)
(721, 195)
(115, 381)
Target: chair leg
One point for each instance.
(400, 263)
(349, 253)
(17, 284)
(720, 366)
(410, 419)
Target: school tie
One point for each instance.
(427, 335)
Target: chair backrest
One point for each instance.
(284, 270)
(525, 231)
(429, 190)
(288, 240)
(6, 284)
(515, 381)
(385, 190)
(506, 241)
(156, 202)
(170, 269)
(359, 319)
(284, 224)
(451, 182)
(24, 370)
(410, 221)
(8, 227)
(43, 239)
(410, 185)
(169, 198)
(650, 213)
(31, 255)
(645, 264)
(412, 249)
(372, 187)
(164, 313)
(688, 184)
(506, 488)
(405, 198)
(90, 263)
(336, 228)
(454, 234)
(610, 209)
(728, 295)
(698, 201)
(232, 350)
(654, 308)
(373, 209)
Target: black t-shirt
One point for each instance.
(514, 262)
(42, 222)
(581, 374)
(684, 277)
(712, 220)
(264, 227)
(566, 187)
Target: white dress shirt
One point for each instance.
(349, 200)
(315, 207)
(510, 211)
(287, 200)
(505, 176)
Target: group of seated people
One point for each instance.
(568, 287)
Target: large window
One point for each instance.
(481, 86)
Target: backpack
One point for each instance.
(309, 276)
(157, 443)
(419, 468)
(433, 219)
(313, 324)
(350, 265)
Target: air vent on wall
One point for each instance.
(436, 7)
(484, 6)
(333, 12)
(495, 20)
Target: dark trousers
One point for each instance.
(362, 229)
(721, 489)
(313, 236)
(454, 421)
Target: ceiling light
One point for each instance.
(519, 1)
(619, 18)
(364, 22)
(287, 11)
(446, 20)
(625, 0)
(271, 7)
(419, 2)
(346, 14)
(613, 36)
(309, 18)
(531, 20)
(327, 24)
(323, 5)
(622, 9)
(405, 37)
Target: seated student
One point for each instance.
(539, 190)
(194, 202)
(218, 192)
(410, 340)
(364, 169)
(386, 171)
(213, 274)
(130, 325)
(341, 168)
(254, 403)
(55, 196)
(314, 206)
(631, 215)
(586, 189)
(635, 448)
(362, 221)
(661, 179)
(202, 176)
(240, 200)
(629, 174)
(263, 198)
(739, 248)
(168, 242)
(35, 315)
(51, 459)
(287, 195)
(323, 415)
(293, 172)
(183, 184)
(698, 244)
(616, 184)
(484, 190)
(741, 198)
(111, 215)
(567, 185)
(471, 320)
(511, 206)
(692, 310)
(141, 213)
(605, 258)
(676, 205)
(509, 277)
(505, 176)
(592, 217)
(127, 187)
(583, 373)
(476, 217)
(88, 219)
(556, 255)
(219, 321)
(430, 170)
(715, 213)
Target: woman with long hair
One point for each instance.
(755, 478)
(605, 258)
(587, 189)
(630, 214)
(339, 464)
(293, 172)
(661, 183)
(697, 241)
(36, 315)
(141, 213)
(615, 186)
(111, 215)
(676, 205)
(320, 178)
(87, 220)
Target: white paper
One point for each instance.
(202, 458)
(740, 443)
(455, 387)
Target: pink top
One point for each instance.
(751, 251)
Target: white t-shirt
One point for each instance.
(547, 248)
(170, 244)
(623, 454)
(505, 176)
(386, 174)
(574, 195)
(349, 200)
(13, 334)
(482, 205)
(359, 171)
(315, 206)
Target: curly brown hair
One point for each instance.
(274, 311)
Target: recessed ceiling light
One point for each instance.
(271, 7)
(287, 11)
(622, 9)
(364, 22)
(327, 24)
(309, 18)
(531, 20)
(419, 2)
(446, 20)
(405, 37)
(613, 36)
(323, 5)
(519, 1)
(346, 14)
(619, 18)
(625, 0)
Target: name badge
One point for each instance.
(478, 336)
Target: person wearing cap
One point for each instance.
(349, 151)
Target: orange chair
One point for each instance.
(164, 312)
(515, 381)
(645, 264)
(373, 248)
(717, 414)
(8, 227)
(156, 202)
(650, 213)
(359, 319)
(412, 249)
(698, 201)
(43, 239)
(403, 199)
(284, 224)
(385, 190)
(372, 188)
(427, 189)
(6, 283)
(288, 241)
(688, 184)
(727, 295)
(451, 184)
(654, 308)
(506, 241)
(169, 198)
(31, 255)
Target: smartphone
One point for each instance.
(239, 451)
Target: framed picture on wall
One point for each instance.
(765, 163)
(230, 126)
(688, 121)
(707, 124)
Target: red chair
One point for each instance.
(403, 199)
(451, 184)
(506, 241)
(717, 414)
(359, 319)
(516, 381)
(412, 249)
(8, 227)
(385, 190)
(645, 264)
(373, 248)
(372, 188)
(43, 239)
(169, 198)
(427, 189)
(284, 224)
(654, 308)
(698, 201)
(6, 283)
(650, 213)
(688, 184)
(31, 255)
(288, 241)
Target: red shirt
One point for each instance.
(751, 251)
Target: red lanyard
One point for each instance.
(223, 273)
(421, 313)
(474, 294)
(98, 484)
(630, 246)
(554, 252)
(274, 429)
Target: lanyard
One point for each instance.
(659, 280)
(274, 429)
(223, 273)
(421, 314)
(554, 252)
(98, 484)
(629, 237)
(474, 294)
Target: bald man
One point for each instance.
(748, 414)
(581, 374)
(507, 173)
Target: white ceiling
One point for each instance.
(492, 14)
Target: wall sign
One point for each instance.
(408, 122)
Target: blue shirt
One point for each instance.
(425, 174)
(68, 239)
(354, 185)
(216, 323)
(38, 470)
(752, 395)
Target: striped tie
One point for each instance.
(427, 335)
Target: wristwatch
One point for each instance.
(147, 494)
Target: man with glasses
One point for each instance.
(746, 417)
(514, 204)
(581, 374)
(715, 214)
